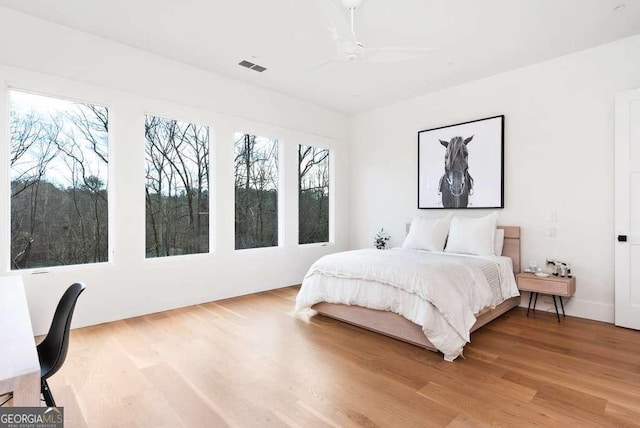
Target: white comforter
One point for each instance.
(441, 292)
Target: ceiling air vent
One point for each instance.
(252, 66)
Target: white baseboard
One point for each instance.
(574, 307)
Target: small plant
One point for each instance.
(381, 239)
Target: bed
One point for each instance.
(391, 324)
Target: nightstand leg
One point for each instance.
(556, 305)
(529, 305)
(562, 305)
(535, 301)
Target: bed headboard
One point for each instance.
(511, 246)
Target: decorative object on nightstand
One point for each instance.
(381, 239)
(555, 286)
(560, 268)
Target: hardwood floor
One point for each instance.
(249, 362)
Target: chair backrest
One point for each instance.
(52, 351)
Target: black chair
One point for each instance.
(52, 351)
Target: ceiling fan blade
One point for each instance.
(395, 54)
(322, 65)
(338, 22)
(340, 58)
(334, 33)
(402, 49)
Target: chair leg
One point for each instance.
(46, 393)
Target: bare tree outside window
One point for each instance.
(256, 182)
(313, 195)
(59, 172)
(177, 187)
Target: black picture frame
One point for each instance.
(473, 177)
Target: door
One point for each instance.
(627, 209)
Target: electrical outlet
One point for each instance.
(552, 232)
(552, 216)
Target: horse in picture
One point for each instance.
(456, 184)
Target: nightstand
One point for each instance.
(556, 286)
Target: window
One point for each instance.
(313, 195)
(177, 187)
(58, 171)
(256, 182)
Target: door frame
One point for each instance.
(624, 316)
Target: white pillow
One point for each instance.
(498, 243)
(468, 235)
(427, 234)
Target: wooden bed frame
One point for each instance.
(398, 327)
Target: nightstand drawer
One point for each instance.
(551, 285)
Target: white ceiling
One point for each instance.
(472, 39)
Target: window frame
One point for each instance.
(191, 116)
(74, 95)
(251, 129)
(325, 145)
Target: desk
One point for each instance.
(19, 365)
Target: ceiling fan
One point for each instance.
(350, 49)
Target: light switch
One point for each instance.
(552, 232)
(552, 216)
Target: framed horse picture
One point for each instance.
(462, 165)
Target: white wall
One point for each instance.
(56, 60)
(558, 158)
